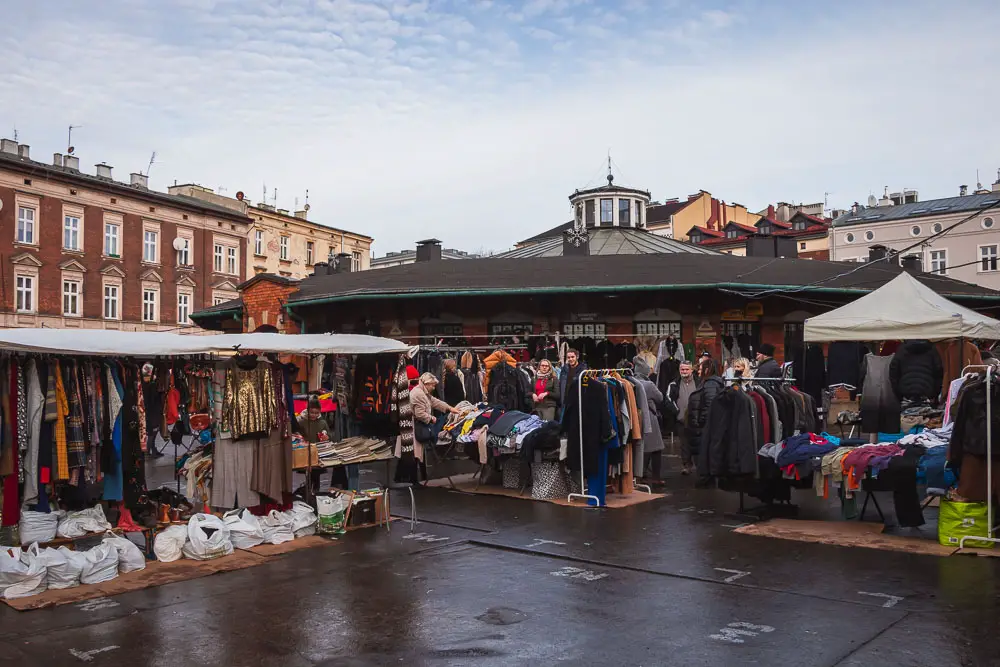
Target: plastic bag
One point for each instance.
(130, 558)
(956, 520)
(78, 524)
(63, 566)
(21, 573)
(244, 529)
(208, 538)
(277, 527)
(101, 564)
(38, 526)
(332, 512)
(169, 544)
(303, 519)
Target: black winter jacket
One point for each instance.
(916, 370)
(698, 406)
(969, 436)
(729, 441)
(769, 368)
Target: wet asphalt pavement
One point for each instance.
(495, 581)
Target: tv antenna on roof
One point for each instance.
(306, 207)
(69, 138)
(152, 159)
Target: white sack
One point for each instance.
(130, 558)
(21, 573)
(277, 527)
(244, 529)
(78, 524)
(201, 545)
(101, 564)
(303, 518)
(168, 544)
(64, 566)
(38, 526)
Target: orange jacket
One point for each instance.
(491, 361)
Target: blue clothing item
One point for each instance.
(798, 449)
(931, 469)
(834, 440)
(598, 482)
(113, 480)
(890, 437)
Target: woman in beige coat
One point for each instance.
(424, 403)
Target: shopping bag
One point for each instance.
(548, 481)
(956, 520)
(169, 544)
(208, 538)
(130, 558)
(303, 519)
(101, 564)
(244, 529)
(21, 573)
(277, 527)
(332, 513)
(38, 526)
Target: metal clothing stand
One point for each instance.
(579, 408)
(990, 528)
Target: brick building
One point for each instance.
(82, 250)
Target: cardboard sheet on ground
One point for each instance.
(467, 484)
(844, 534)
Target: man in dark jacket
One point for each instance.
(767, 365)
(696, 418)
(679, 395)
(567, 378)
(916, 371)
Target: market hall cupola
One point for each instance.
(609, 206)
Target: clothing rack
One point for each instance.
(990, 528)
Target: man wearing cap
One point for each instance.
(767, 365)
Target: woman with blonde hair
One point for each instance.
(545, 394)
(738, 368)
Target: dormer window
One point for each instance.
(766, 229)
(799, 225)
(696, 237)
(732, 233)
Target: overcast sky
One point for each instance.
(473, 120)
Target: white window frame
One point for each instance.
(995, 257)
(184, 254)
(611, 211)
(355, 261)
(258, 242)
(150, 246)
(116, 237)
(72, 232)
(25, 292)
(930, 261)
(283, 245)
(75, 296)
(185, 304)
(233, 260)
(111, 300)
(310, 253)
(150, 308)
(27, 223)
(218, 257)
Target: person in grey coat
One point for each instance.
(652, 442)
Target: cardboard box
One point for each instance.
(301, 456)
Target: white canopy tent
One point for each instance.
(166, 344)
(903, 308)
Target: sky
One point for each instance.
(472, 121)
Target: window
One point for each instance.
(284, 248)
(915, 230)
(149, 246)
(695, 237)
(802, 245)
(638, 213)
(231, 261)
(258, 242)
(183, 308)
(111, 234)
(217, 258)
(71, 298)
(937, 227)
(218, 299)
(25, 294)
(184, 254)
(355, 261)
(799, 225)
(150, 313)
(939, 261)
(766, 229)
(607, 211)
(111, 302)
(869, 235)
(309, 252)
(988, 257)
(71, 232)
(25, 225)
(624, 211)
(589, 205)
(849, 238)
(987, 223)
(732, 233)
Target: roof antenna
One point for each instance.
(611, 177)
(15, 133)
(306, 207)
(979, 185)
(274, 197)
(264, 197)
(152, 159)
(69, 138)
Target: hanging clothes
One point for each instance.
(880, 408)
(113, 476)
(249, 408)
(232, 460)
(133, 468)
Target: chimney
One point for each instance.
(24, 150)
(341, 263)
(963, 190)
(301, 214)
(996, 184)
(429, 250)
(770, 211)
(321, 269)
(854, 208)
(71, 162)
(912, 263)
(576, 243)
(283, 211)
(877, 252)
(57, 159)
(8, 146)
(103, 170)
(139, 180)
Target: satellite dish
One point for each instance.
(70, 150)
(179, 244)
(306, 207)
(240, 195)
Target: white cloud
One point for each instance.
(407, 119)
